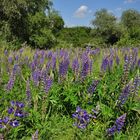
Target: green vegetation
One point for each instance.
(40, 26)
(70, 94)
(68, 83)
(33, 22)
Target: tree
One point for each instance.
(106, 27)
(131, 18)
(28, 21)
(131, 21)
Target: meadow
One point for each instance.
(70, 94)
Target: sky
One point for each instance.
(81, 12)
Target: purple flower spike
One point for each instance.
(105, 64)
(12, 103)
(10, 110)
(119, 123)
(19, 113)
(1, 121)
(124, 96)
(48, 84)
(14, 123)
(5, 120)
(19, 104)
(82, 118)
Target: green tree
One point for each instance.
(130, 20)
(106, 27)
(27, 21)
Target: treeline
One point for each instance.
(40, 26)
(107, 30)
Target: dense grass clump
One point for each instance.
(69, 94)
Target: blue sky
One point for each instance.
(81, 12)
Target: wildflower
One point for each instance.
(10, 59)
(19, 104)
(139, 63)
(53, 61)
(85, 69)
(28, 93)
(63, 67)
(93, 86)
(82, 118)
(14, 123)
(10, 110)
(105, 63)
(75, 66)
(119, 123)
(36, 76)
(48, 84)
(19, 113)
(85, 65)
(124, 95)
(6, 119)
(10, 83)
(117, 60)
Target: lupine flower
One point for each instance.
(28, 93)
(139, 63)
(124, 95)
(16, 57)
(48, 84)
(21, 51)
(90, 66)
(15, 69)
(110, 62)
(117, 126)
(5, 52)
(136, 85)
(32, 66)
(48, 66)
(19, 104)
(14, 123)
(36, 76)
(49, 55)
(93, 86)
(85, 69)
(10, 110)
(117, 60)
(75, 66)
(126, 69)
(42, 53)
(82, 118)
(16, 108)
(63, 67)
(41, 60)
(10, 83)
(105, 64)
(53, 61)
(19, 113)
(10, 59)
(6, 119)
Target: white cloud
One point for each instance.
(129, 1)
(118, 9)
(82, 11)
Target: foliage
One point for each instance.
(106, 26)
(30, 22)
(77, 36)
(97, 90)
